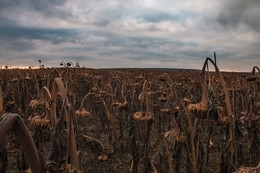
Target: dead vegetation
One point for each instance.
(86, 120)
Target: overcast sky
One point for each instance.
(136, 33)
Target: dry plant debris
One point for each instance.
(86, 120)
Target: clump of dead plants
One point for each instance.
(87, 120)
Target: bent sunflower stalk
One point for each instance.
(14, 122)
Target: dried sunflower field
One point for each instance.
(129, 120)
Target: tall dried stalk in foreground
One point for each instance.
(14, 122)
(67, 110)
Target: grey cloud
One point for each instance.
(76, 58)
(160, 16)
(200, 54)
(6, 4)
(236, 12)
(48, 8)
(194, 54)
(5, 21)
(154, 16)
(144, 43)
(21, 45)
(53, 35)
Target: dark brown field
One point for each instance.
(129, 120)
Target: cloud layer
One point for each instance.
(149, 33)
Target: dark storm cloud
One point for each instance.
(49, 8)
(53, 35)
(46, 7)
(5, 21)
(237, 12)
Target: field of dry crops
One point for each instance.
(129, 120)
